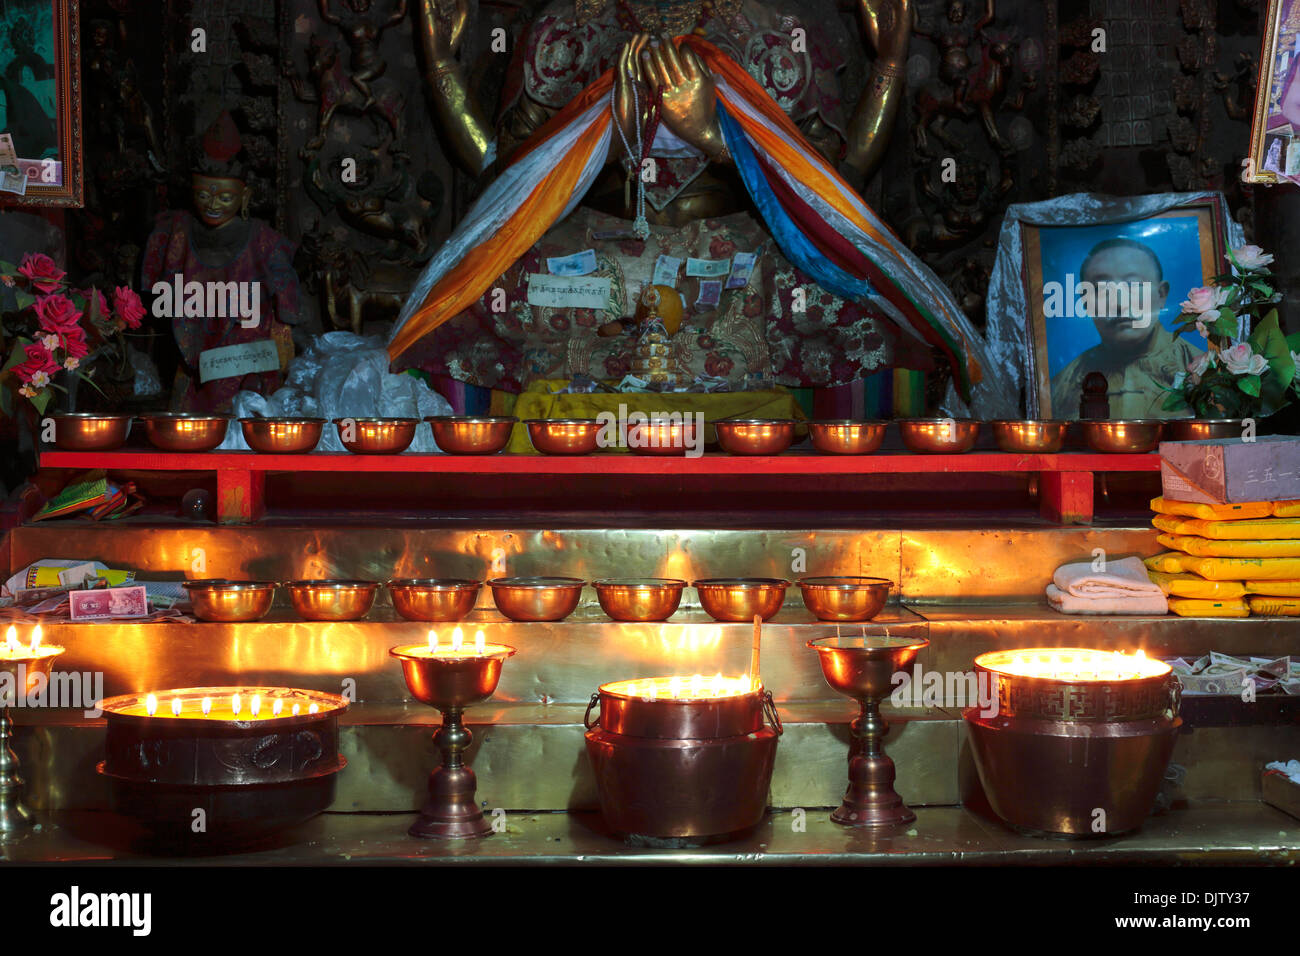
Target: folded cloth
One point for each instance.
(1126, 577)
(1137, 602)
(1210, 512)
(1210, 548)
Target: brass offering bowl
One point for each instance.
(844, 597)
(327, 600)
(282, 436)
(1201, 429)
(639, 599)
(755, 436)
(663, 437)
(225, 601)
(564, 436)
(536, 599)
(90, 431)
(1030, 436)
(1123, 436)
(376, 436)
(468, 435)
(843, 436)
(185, 433)
(433, 599)
(939, 436)
(739, 599)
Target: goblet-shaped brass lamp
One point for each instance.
(863, 668)
(451, 677)
(22, 668)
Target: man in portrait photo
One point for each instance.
(1137, 354)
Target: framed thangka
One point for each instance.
(40, 103)
(1104, 298)
(1275, 132)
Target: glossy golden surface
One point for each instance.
(332, 600)
(1201, 429)
(1123, 437)
(187, 433)
(536, 599)
(939, 436)
(663, 438)
(864, 667)
(445, 682)
(755, 436)
(35, 668)
(1030, 437)
(739, 599)
(433, 599)
(282, 436)
(230, 602)
(846, 437)
(376, 436)
(639, 599)
(467, 435)
(90, 432)
(844, 597)
(568, 436)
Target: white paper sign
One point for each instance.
(708, 268)
(568, 292)
(230, 361)
(666, 271)
(579, 264)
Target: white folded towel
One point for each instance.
(1126, 577)
(1137, 602)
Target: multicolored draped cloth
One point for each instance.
(820, 223)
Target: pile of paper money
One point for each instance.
(1218, 673)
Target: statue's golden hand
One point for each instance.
(689, 105)
(442, 23)
(629, 91)
(888, 25)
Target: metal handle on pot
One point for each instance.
(586, 718)
(769, 711)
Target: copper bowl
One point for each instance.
(433, 599)
(739, 599)
(467, 435)
(939, 436)
(844, 597)
(230, 601)
(843, 436)
(327, 600)
(377, 436)
(639, 599)
(755, 436)
(1030, 437)
(90, 431)
(185, 433)
(536, 599)
(1123, 437)
(660, 436)
(564, 436)
(1201, 429)
(282, 436)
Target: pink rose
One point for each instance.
(39, 363)
(1204, 299)
(1252, 257)
(74, 343)
(57, 313)
(1241, 359)
(128, 307)
(41, 271)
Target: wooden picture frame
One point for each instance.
(1189, 245)
(1275, 128)
(29, 82)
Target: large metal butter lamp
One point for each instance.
(863, 668)
(21, 667)
(451, 677)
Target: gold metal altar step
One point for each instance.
(532, 757)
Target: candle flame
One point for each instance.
(1073, 664)
(207, 706)
(235, 704)
(457, 639)
(295, 710)
(11, 639)
(151, 705)
(255, 704)
(36, 638)
(277, 707)
(176, 706)
(479, 643)
(313, 709)
(433, 639)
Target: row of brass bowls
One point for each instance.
(564, 436)
(844, 597)
(376, 436)
(843, 436)
(434, 599)
(739, 599)
(177, 431)
(86, 431)
(536, 599)
(939, 436)
(217, 599)
(471, 435)
(1131, 437)
(332, 600)
(282, 436)
(1031, 436)
(755, 436)
(639, 599)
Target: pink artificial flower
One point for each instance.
(39, 362)
(71, 363)
(127, 305)
(1241, 359)
(1197, 366)
(57, 313)
(74, 343)
(41, 271)
(1252, 257)
(1204, 299)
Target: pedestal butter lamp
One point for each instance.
(863, 668)
(452, 677)
(22, 666)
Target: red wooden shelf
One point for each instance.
(1066, 478)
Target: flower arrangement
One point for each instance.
(1250, 368)
(56, 328)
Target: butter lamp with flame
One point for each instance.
(22, 667)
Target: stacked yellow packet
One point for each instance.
(1189, 607)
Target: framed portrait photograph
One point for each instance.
(1103, 298)
(1275, 131)
(40, 103)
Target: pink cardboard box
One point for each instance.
(1229, 470)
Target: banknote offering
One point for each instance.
(12, 179)
(1218, 673)
(104, 603)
